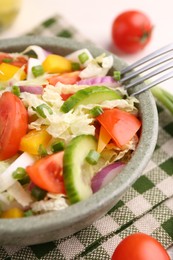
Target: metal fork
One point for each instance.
(129, 73)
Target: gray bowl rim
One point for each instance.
(79, 211)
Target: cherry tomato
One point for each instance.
(131, 31)
(13, 124)
(46, 173)
(140, 246)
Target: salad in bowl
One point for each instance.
(67, 128)
(63, 131)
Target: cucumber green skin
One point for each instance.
(74, 156)
(89, 95)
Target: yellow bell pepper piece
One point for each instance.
(103, 140)
(56, 64)
(7, 71)
(12, 213)
(31, 141)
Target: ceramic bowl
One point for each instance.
(55, 225)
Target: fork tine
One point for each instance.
(154, 83)
(156, 62)
(150, 75)
(147, 58)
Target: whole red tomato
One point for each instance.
(140, 246)
(131, 31)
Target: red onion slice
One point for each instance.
(38, 90)
(100, 81)
(106, 175)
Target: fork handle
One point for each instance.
(147, 58)
(163, 78)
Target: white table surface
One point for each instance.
(94, 19)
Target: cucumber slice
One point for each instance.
(76, 186)
(89, 95)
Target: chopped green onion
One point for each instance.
(40, 110)
(37, 70)
(42, 150)
(7, 60)
(75, 66)
(83, 57)
(25, 180)
(93, 157)
(96, 111)
(16, 90)
(117, 75)
(165, 97)
(57, 146)
(28, 213)
(19, 173)
(38, 193)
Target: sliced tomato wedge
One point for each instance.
(120, 125)
(65, 78)
(13, 124)
(46, 173)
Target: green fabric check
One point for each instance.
(146, 207)
(58, 26)
(155, 223)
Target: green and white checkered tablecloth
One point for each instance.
(146, 207)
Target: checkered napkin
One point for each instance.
(146, 207)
